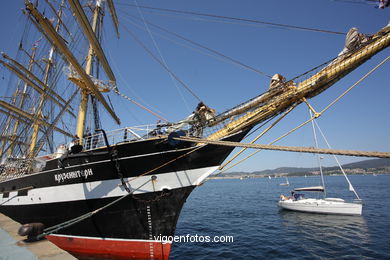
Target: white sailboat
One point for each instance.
(297, 201)
(285, 183)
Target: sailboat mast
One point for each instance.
(88, 69)
(317, 155)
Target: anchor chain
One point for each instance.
(115, 160)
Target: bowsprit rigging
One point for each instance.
(381, 4)
(109, 195)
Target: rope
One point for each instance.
(232, 60)
(138, 104)
(169, 162)
(58, 227)
(318, 156)
(315, 114)
(313, 69)
(162, 64)
(287, 148)
(351, 188)
(160, 54)
(354, 85)
(238, 19)
(259, 136)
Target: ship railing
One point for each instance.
(15, 167)
(143, 132)
(122, 135)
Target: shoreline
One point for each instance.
(249, 176)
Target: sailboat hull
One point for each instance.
(130, 227)
(322, 206)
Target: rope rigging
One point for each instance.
(160, 54)
(315, 114)
(138, 104)
(230, 59)
(337, 161)
(236, 19)
(317, 155)
(162, 64)
(132, 100)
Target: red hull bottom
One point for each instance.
(97, 248)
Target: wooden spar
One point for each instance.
(9, 114)
(286, 148)
(61, 46)
(29, 116)
(52, 126)
(39, 28)
(90, 33)
(55, 97)
(311, 87)
(21, 119)
(13, 140)
(37, 65)
(58, 15)
(31, 75)
(111, 8)
(4, 130)
(29, 82)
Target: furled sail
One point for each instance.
(314, 188)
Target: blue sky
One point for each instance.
(360, 121)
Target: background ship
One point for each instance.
(112, 194)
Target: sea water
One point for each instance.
(247, 211)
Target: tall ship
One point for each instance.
(110, 194)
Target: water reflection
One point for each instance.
(325, 235)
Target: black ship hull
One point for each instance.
(158, 176)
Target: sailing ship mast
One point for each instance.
(13, 137)
(49, 64)
(90, 88)
(94, 50)
(88, 69)
(83, 78)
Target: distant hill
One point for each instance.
(373, 165)
(367, 164)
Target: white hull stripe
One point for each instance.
(108, 188)
(105, 161)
